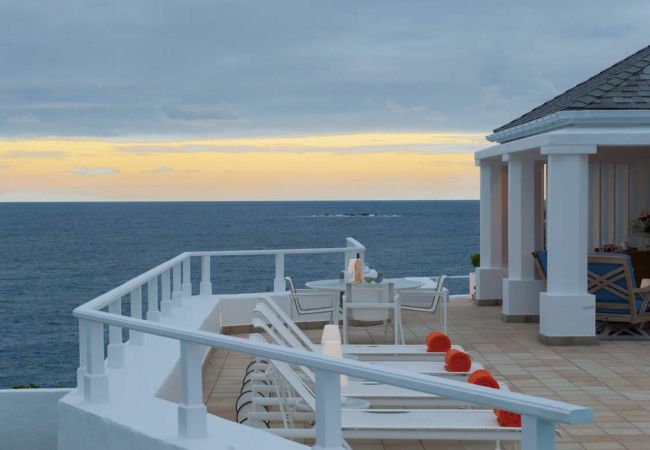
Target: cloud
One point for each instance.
(198, 115)
(94, 171)
(23, 119)
(35, 154)
(161, 169)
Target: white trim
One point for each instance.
(563, 119)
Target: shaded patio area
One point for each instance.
(612, 378)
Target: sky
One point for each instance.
(281, 100)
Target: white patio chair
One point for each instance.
(363, 352)
(406, 424)
(371, 303)
(427, 300)
(305, 302)
(280, 335)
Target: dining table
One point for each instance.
(338, 284)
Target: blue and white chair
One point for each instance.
(622, 308)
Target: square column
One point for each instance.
(521, 289)
(567, 310)
(493, 221)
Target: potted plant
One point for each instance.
(475, 259)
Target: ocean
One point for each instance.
(56, 256)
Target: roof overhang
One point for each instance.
(582, 118)
(585, 139)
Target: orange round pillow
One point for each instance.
(457, 361)
(438, 342)
(482, 377)
(508, 419)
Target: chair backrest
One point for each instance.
(611, 279)
(423, 299)
(289, 324)
(360, 298)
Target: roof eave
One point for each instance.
(562, 119)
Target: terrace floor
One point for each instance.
(612, 378)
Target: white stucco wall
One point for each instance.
(28, 418)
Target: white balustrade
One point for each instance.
(192, 413)
(279, 284)
(187, 278)
(135, 337)
(177, 295)
(115, 344)
(166, 299)
(206, 284)
(328, 411)
(152, 300)
(539, 415)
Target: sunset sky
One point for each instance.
(251, 100)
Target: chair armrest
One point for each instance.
(642, 291)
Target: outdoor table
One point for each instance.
(338, 284)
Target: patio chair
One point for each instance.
(621, 307)
(426, 300)
(371, 303)
(305, 302)
(405, 424)
(280, 335)
(363, 352)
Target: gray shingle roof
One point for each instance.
(625, 85)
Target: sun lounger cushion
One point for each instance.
(457, 361)
(438, 341)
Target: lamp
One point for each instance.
(331, 341)
(331, 333)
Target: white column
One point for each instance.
(165, 297)
(136, 337)
(81, 371)
(521, 289)
(192, 413)
(187, 278)
(328, 411)
(206, 284)
(279, 284)
(567, 310)
(177, 295)
(152, 300)
(493, 213)
(115, 345)
(95, 379)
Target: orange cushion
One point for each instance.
(482, 377)
(507, 418)
(457, 361)
(438, 341)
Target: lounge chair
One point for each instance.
(363, 352)
(621, 307)
(403, 424)
(281, 335)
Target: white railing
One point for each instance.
(538, 415)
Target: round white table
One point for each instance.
(339, 284)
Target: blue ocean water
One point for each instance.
(56, 256)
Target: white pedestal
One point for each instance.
(567, 319)
(489, 285)
(521, 300)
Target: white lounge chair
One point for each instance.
(306, 302)
(363, 352)
(404, 424)
(281, 335)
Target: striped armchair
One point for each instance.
(621, 307)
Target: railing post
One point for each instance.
(187, 278)
(166, 302)
(152, 300)
(328, 411)
(537, 434)
(206, 285)
(81, 371)
(115, 344)
(95, 379)
(177, 295)
(192, 413)
(135, 337)
(279, 285)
